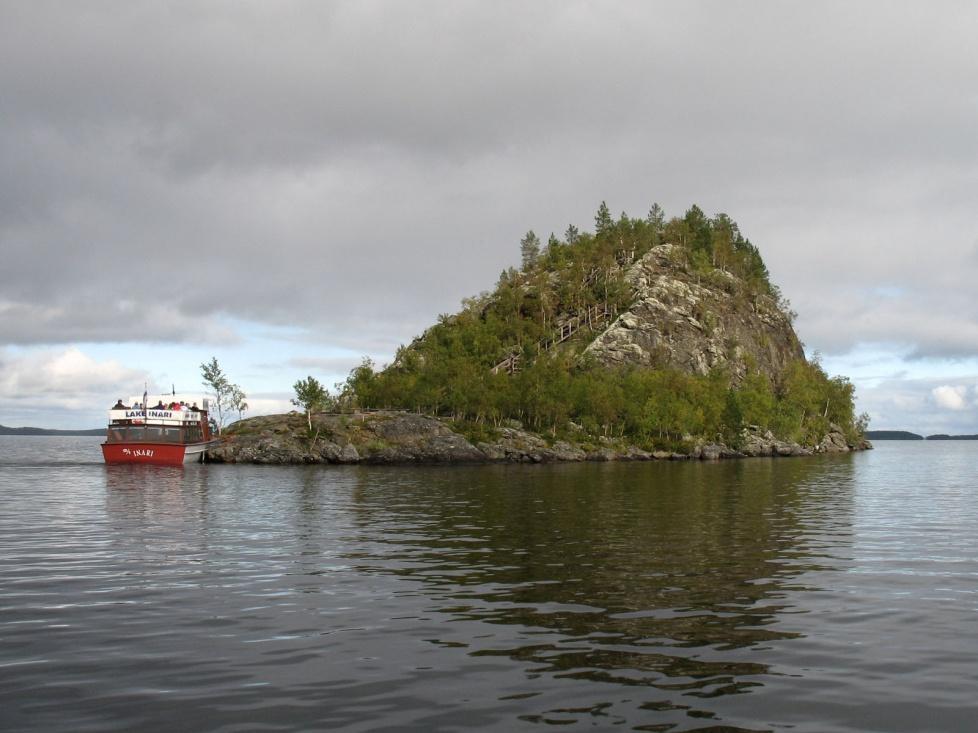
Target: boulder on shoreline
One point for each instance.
(393, 437)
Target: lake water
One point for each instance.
(818, 594)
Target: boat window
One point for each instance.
(161, 434)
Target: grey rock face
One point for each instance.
(693, 322)
(374, 438)
(757, 443)
(833, 442)
(519, 446)
(711, 452)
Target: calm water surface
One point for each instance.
(822, 594)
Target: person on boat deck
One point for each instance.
(137, 405)
(194, 407)
(159, 406)
(118, 405)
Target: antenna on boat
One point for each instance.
(173, 390)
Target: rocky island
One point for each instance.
(648, 339)
(385, 437)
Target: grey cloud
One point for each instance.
(112, 319)
(920, 323)
(352, 170)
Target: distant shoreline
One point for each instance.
(907, 435)
(4, 430)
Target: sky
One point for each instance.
(290, 187)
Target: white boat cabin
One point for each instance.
(177, 422)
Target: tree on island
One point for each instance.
(311, 396)
(530, 250)
(227, 396)
(572, 235)
(238, 400)
(602, 220)
(656, 220)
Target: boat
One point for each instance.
(178, 433)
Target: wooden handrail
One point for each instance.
(592, 316)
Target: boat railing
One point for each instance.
(155, 417)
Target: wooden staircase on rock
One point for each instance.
(592, 317)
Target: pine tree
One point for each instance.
(656, 220)
(602, 220)
(530, 250)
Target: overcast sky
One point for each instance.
(289, 186)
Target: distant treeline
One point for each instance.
(892, 435)
(905, 435)
(43, 431)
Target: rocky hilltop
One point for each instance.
(693, 322)
(403, 438)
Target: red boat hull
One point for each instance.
(157, 454)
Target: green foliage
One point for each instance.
(228, 396)
(237, 400)
(360, 387)
(476, 432)
(311, 396)
(448, 371)
(809, 401)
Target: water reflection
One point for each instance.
(650, 596)
(664, 578)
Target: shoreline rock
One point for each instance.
(399, 438)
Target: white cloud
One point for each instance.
(951, 397)
(62, 387)
(68, 378)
